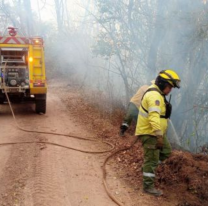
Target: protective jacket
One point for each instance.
(151, 119)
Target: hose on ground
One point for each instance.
(71, 148)
(58, 134)
(105, 173)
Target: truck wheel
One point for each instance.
(40, 105)
(2, 98)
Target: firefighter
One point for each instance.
(151, 128)
(133, 109)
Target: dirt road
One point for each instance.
(41, 174)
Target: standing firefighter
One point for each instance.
(133, 109)
(152, 126)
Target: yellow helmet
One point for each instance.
(171, 77)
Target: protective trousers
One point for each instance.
(131, 114)
(152, 156)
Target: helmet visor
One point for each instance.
(177, 83)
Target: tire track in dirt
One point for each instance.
(15, 173)
(60, 176)
(45, 175)
(47, 184)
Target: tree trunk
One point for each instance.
(59, 14)
(29, 17)
(159, 33)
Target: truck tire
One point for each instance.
(2, 98)
(40, 104)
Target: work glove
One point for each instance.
(159, 144)
(123, 128)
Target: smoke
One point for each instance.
(117, 46)
(121, 52)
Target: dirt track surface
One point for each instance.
(40, 174)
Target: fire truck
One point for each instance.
(22, 69)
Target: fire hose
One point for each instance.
(71, 148)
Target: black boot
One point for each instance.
(123, 128)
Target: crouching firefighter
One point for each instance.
(133, 109)
(152, 126)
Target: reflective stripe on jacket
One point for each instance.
(150, 123)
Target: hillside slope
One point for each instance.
(183, 177)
